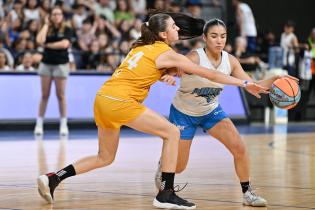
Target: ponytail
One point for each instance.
(189, 27)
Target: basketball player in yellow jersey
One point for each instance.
(119, 102)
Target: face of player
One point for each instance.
(215, 39)
(171, 33)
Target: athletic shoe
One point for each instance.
(46, 186)
(167, 199)
(63, 130)
(38, 131)
(251, 199)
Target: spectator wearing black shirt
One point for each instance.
(55, 36)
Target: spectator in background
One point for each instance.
(55, 36)
(102, 7)
(31, 12)
(246, 24)
(123, 12)
(3, 62)
(138, 7)
(18, 49)
(124, 28)
(80, 14)
(16, 12)
(86, 34)
(160, 5)
(290, 47)
(249, 61)
(26, 64)
(194, 8)
(175, 6)
(104, 26)
(135, 31)
(311, 43)
(103, 42)
(8, 55)
(44, 9)
(91, 58)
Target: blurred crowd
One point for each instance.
(103, 31)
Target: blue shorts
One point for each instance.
(188, 124)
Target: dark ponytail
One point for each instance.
(189, 27)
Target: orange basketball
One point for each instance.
(285, 93)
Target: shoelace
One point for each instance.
(179, 188)
(255, 196)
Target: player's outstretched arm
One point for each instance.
(172, 59)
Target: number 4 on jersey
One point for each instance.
(133, 60)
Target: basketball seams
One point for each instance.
(287, 90)
(291, 89)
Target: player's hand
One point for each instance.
(288, 76)
(256, 89)
(169, 79)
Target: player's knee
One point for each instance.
(174, 133)
(239, 149)
(105, 160)
(171, 133)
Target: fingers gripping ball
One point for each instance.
(285, 93)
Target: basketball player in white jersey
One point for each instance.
(196, 104)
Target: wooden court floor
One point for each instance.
(282, 168)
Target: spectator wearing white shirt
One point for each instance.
(27, 63)
(31, 12)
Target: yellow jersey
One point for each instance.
(135, 75)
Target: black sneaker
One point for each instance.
(46, 186)
(167, 199)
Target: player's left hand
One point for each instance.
(169, 79)
(256, 89)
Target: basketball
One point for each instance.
(285, 93)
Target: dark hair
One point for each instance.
(213, 22)
(290, 23)
(189, 27)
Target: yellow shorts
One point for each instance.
(112, 113)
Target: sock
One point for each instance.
(66, 172)
(167, 181)
(245, 186)
(63, 121)
(39, 121)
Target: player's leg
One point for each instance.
(152, 123)
(108, 142)
(187, 126)
(227, 134)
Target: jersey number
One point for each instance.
(133, 60)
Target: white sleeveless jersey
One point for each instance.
(198, 96)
